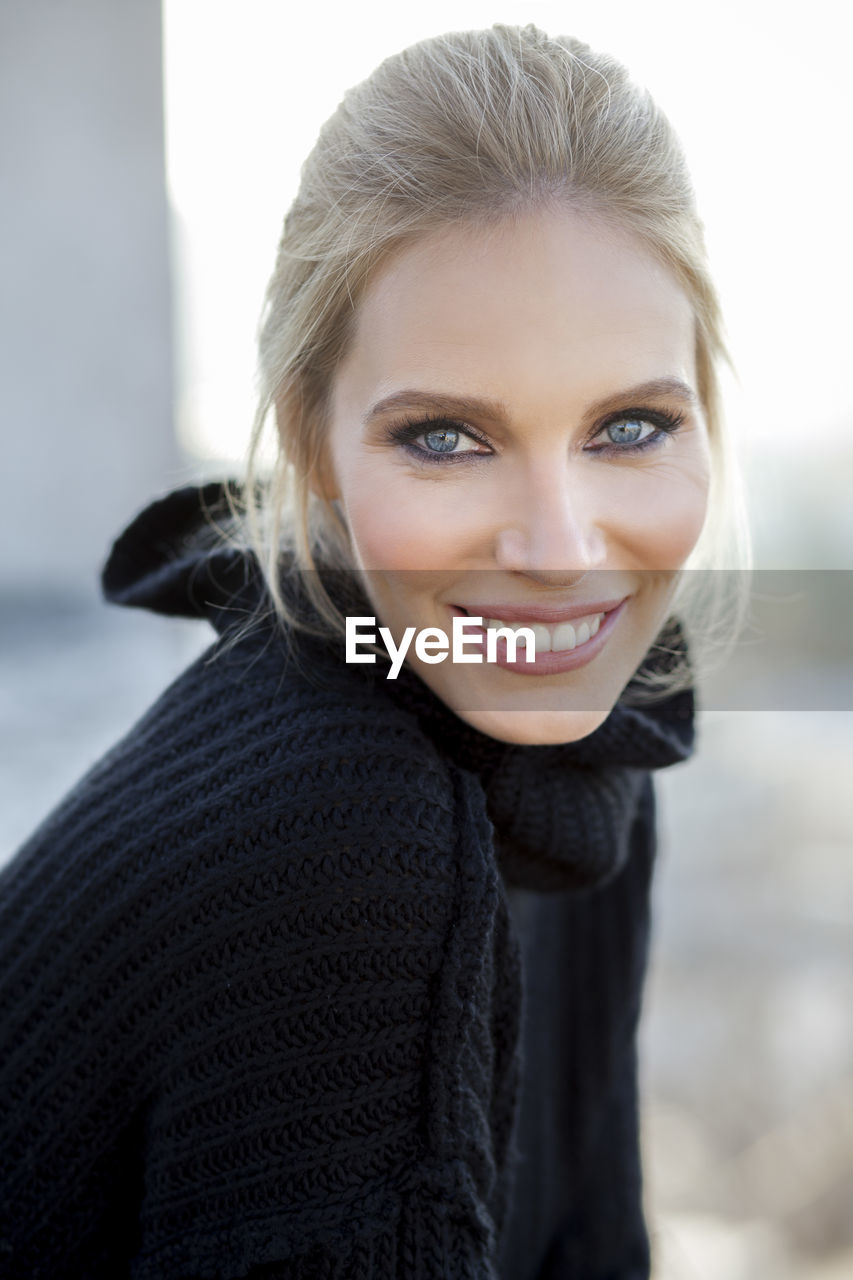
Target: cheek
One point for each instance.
(403, 522)
(660, 513)
(651, 516)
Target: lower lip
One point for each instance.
(544, 664)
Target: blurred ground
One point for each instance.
(73, 678)
(747, 1038)
(748, 1029)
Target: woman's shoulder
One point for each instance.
(267, 877)
(249, 759)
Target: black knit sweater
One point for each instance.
(308, 978)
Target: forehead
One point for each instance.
(549, 302)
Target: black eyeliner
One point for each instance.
(666, 423)
(406, 432)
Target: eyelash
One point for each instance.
(407, 431)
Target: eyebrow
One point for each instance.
(495, 411)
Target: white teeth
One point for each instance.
(564, 637)
(558, 639)
(541, 637)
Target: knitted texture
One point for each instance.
(260, 982)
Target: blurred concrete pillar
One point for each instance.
(85, 310)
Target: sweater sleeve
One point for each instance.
(248, 1013)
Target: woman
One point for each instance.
(332, 967)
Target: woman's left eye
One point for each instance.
(631, 431)
(635, 431)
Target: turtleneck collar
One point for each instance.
(562, 814)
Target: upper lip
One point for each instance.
(548, 614)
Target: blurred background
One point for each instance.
(147, 156)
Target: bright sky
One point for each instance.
(760, 94)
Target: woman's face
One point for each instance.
(515, 434)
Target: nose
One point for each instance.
(551, 529)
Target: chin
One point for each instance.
(537, 728)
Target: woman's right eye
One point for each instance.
(446, 439)
(433, 440)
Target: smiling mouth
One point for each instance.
(559, 639)
(552, 634)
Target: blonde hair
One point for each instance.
(468, 126)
